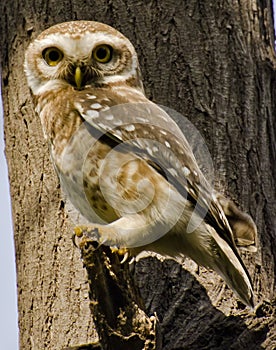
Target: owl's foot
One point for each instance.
(124, 252)
(87, 230)
(85, 233)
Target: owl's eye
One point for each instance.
(52, 56)
(102, 53)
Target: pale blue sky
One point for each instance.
(8, 309)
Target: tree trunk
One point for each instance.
(212, 61)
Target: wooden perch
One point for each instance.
(115, 302)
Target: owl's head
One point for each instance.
(81, 53)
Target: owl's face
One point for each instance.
(81, 53)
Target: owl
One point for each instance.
(121, 159)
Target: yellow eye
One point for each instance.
(102, 53)
(52, 56)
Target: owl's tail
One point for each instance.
(231, 268)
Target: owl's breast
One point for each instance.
(77, 155)
(79, 167)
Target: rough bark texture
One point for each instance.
(116, 304)
(213, 61)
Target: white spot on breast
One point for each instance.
(129, 127)
(90, 97)
(96, 106)
(167, 144)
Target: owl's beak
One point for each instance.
(78, 77)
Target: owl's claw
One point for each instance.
(89, 231)
(125, 258)
(84, 232)
(121, 252)
(93, 233)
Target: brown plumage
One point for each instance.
(121, 159)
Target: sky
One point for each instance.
(8, 297)
(8, 309)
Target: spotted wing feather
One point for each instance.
(136, 125)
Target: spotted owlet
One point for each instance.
(122, 160)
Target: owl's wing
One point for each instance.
(148, 131)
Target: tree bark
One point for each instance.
(214, 63)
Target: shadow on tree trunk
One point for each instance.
(188, 320)
(125, 300)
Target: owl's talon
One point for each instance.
(121, 251)
(84, 229)
(78, 233)
(86, 233)
(132, 260)
(74, 239)
(125, 258)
